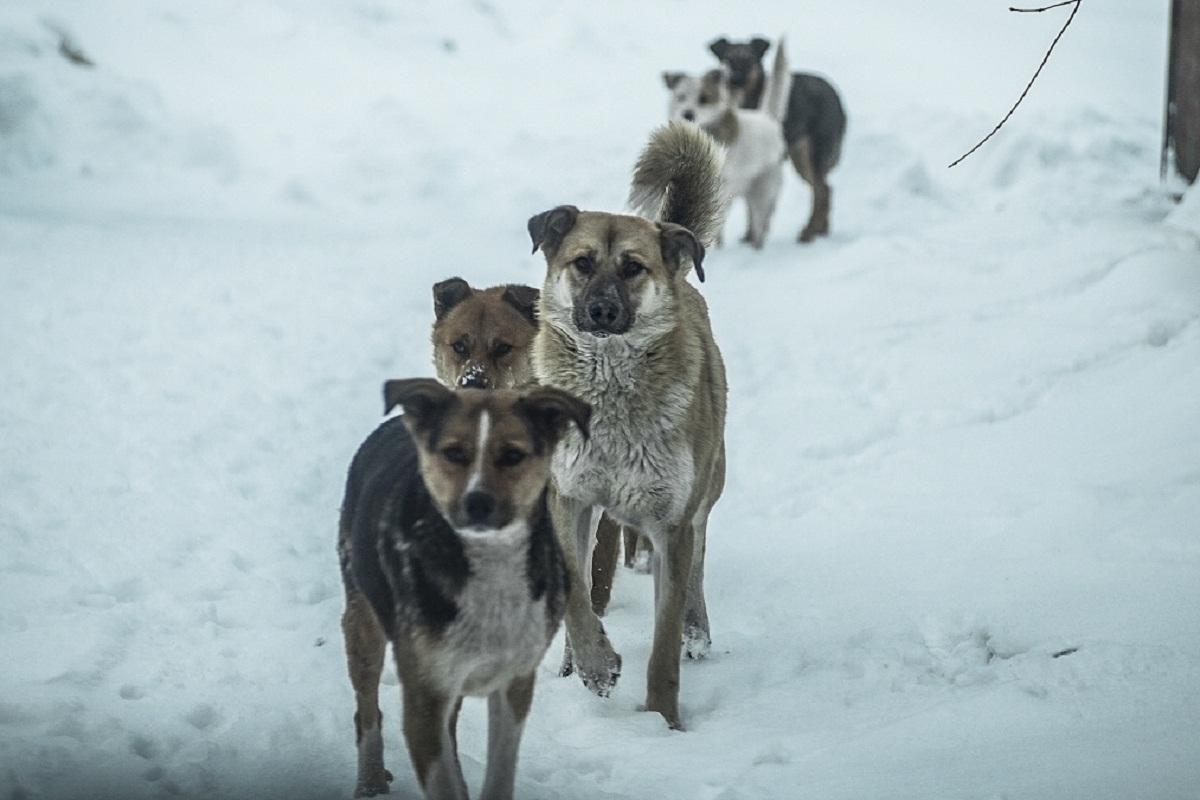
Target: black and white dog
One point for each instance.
(813, 125)
(448, 552)
(752, 138)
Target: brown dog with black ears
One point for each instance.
(622, 328)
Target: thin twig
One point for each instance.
(1043, 8)
(1028, 86)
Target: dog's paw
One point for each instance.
(696, 643)
(669, 715)
(806, 236)
(568, 663)
(641, 562)
(600, 675)
(373, 785)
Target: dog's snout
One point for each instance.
(689, 115)
(479, 506)
(604, 312)
(474, 380)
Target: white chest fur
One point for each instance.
(638, 462)
(500, 633)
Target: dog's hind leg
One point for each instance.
(588, 650)
(697, 638)
(638, 550)
(748, 236)
(673, 554)
(761, 199)
(429, 722)
(825, 157)
(801, 154)
(822, 201)
(507, 709)
(604, 563)
(366, 647)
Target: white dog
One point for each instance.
(753, 138)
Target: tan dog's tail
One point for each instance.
(779, 90)
(678, 179)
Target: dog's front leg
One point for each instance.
(604, 563)
(588, 650)
(366, 647)
(429, 721)
(507, 709)
(673, 565)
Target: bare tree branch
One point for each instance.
(1028, 86)
(1043, 8)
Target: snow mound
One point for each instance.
(85, 121)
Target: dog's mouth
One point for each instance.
(598, 332)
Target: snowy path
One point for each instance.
(964, 437)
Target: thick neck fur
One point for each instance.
(631, 383)
(598, 364)
(725, 129)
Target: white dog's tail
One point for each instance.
(678, 179)
(779, 89)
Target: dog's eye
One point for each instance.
(631, 269)
(583, 264)
(455, 455)
(501, 349)
(460, 347)
(510, 457)
(706, 99)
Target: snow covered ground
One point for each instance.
(964, 432)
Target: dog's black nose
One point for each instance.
(474, 380)
(604, 312)
(689, 115)
(479, 506)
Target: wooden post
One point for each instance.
(1181, 134)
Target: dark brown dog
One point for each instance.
(813, 127)
(481, 337)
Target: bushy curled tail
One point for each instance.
(779, 90)
(678, 179)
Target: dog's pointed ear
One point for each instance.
(549, 412)
(719, 47)
(679, 243)
(760, 46)
(548, 228)
(672, 79)
(524, 299)
(449, 293)
(424, 400)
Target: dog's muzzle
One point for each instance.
(481, 510)
(474, 376)
(604, 313)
